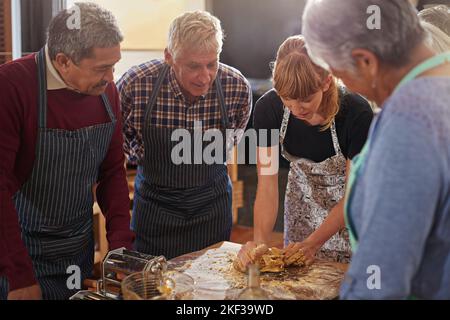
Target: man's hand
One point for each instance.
(307, 248)
(29, 293)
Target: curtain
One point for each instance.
(5, 31)
(36, 16)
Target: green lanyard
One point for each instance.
(424, 66)
(359, 160)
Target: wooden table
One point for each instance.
(216, 279)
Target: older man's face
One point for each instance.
(195, 71)
(92, 75)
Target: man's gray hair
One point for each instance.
(332, 29)
(195, 30)
(436, 39)
(438, 16)
(96, 28)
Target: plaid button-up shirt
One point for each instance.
(172, 110)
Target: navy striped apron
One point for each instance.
(179, 208)
(55, 204)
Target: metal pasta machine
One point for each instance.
(116, 266)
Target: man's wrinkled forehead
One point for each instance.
(198, 57)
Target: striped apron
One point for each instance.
(179, 208)
(55, 204)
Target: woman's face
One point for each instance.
(306, 109)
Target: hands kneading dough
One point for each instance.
(269, 260)
(249, 253)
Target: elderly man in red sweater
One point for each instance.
(60, 128)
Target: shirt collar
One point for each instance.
(54, 80)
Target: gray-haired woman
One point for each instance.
(398, 195)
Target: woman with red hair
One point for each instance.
(322, 127)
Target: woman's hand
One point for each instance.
(250, 253)
(307, 248)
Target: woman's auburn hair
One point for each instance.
(296, 77)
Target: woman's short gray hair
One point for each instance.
(195, 29)
(332, 29)
(96, 28)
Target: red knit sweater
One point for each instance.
(18, 132)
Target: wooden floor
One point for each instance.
(241, 234)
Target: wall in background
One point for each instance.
(254, 30)
(145, 25)
(134, 58)
(35, 17)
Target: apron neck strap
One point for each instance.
(334, 136)
(155, 91)
(108, 107)
(424, 66)
(42, 89)
(223, 108)
(284, 123)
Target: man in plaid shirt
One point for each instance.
(181, 208)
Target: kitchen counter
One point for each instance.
(216, 279)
